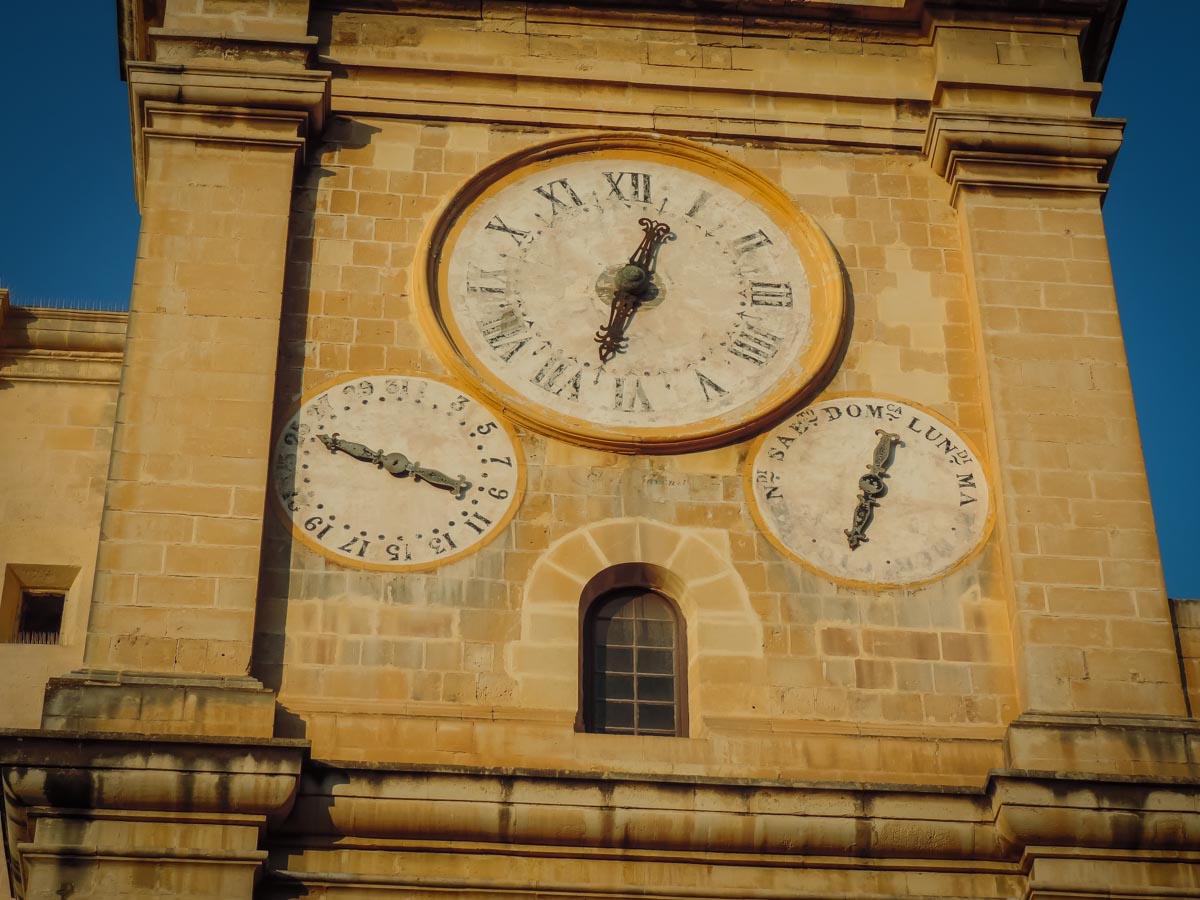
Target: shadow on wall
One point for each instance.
(276, 578)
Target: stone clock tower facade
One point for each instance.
(617, 449)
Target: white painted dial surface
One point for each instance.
(805, 486)
(526, 282)
(397, 510)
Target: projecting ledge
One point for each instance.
(73, 770)
(1135, 747)
(1000, 821)
(971, 147)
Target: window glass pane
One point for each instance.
(616, 631)
(616, 687)
(656, 717)
(652, 606)
(655, 634)
(657, 662)
(614, 659)
(656, 687)
(618, 715)
(631, 685)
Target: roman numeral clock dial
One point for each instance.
(395, 472)
(632, 293)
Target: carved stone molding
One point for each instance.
(663, 814)
(1014, 811)
(282, 109)
(187, 812)
(270, 52)
(187, 774)
(72, 795)
(970, 148)
(1120, 746)
(50, 344)
(100, 701)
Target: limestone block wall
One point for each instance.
(58, 373)
(963, 291)
(476, 662)
(1187, 629)
(1091, 608)
(376, 661)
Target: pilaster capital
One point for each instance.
(974, 148)
(282, 109)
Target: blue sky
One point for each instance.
(68, 223)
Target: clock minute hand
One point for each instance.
(396, 464)
(334, 443)
(632, 282)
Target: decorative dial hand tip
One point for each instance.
(396, 464)
(871, 488)
(632, 282)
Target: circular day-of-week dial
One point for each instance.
(396, 472)
(633, 293)
(870, 491)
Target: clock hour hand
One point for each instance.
(439, 479)
(632, 282)
(871, 488)
(396, 464)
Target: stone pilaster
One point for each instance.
(178, 560)
(1089, 613)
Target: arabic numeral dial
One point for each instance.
(396, 472)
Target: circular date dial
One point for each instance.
(870, 491)
(634, 294)
(396, 472)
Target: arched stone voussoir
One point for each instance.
(694, 567)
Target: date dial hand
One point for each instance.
(871, 488)
(633, 281)
(396, 464)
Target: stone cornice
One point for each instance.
(220, 49)
(152, 778)
(1100, 19)
(222, 776)
(651, 814)
(669, 817)
(277, 108)
(1029, 153)
(61, 345)
(420, 92)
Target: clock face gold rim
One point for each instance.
(805, 481)
(730, 335)
(395, 471)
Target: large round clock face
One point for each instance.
(396, 472)
(633, 293)
(870, 491)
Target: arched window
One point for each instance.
(632, 681)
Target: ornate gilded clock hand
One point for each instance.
(871, 488)
(396, 464)
(632, 282)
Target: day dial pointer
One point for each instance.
(396, 464)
